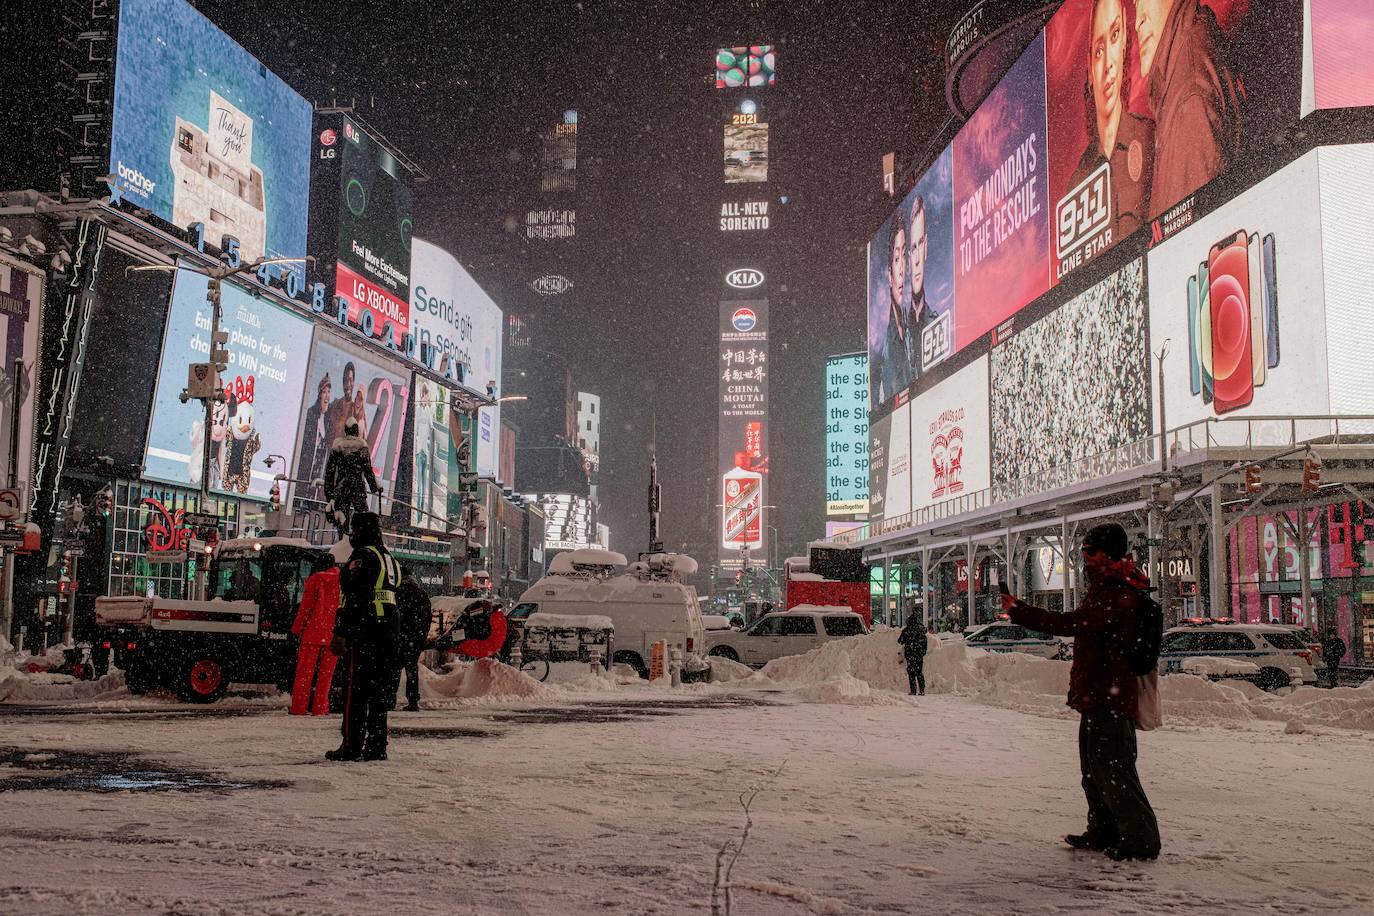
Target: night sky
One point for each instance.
(465, 89)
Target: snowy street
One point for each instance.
(617, 800)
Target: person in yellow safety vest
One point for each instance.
(366, 638)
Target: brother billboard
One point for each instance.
(202, 132)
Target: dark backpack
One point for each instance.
(1143, 652)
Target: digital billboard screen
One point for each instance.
(746, 153)
(1341, 73)
(1075, 383)
(1240, 294)
(951, 453)
(345, 381)
(204, 133)
(846, 435)
(567, 521)
(1109, 120)
(268, 347)
(361, 180)
(742, 480)
(454, 322)
(432, 455)
(753, 66)
(911, 286)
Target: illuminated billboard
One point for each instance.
(1113, 116)
(268, 347)
(203, 133)
(846, 435)
(742, 446)
(753, 66)
(363, 227)
(951, 450)
(456, 325)
(1338, 71)
(744, 215)
(1075, 383)
(346, 381)
(567, 521)
(1240, 293)
(746, 153)
(911, 286)
(433, 440)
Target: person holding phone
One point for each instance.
(1104, 691)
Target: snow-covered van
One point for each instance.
(647, 601)
(196, 648)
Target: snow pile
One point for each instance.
(19, 685)
(1212, 666)
(570, 621)
(484, 679)
(869, 669)
(723, 670)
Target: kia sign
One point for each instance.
(551, 285)
(744, 278)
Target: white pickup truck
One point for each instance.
(241, 634)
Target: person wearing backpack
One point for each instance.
(1104, 689)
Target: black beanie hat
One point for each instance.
(1109, 538)
(366, 529)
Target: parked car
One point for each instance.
(1004, 636)
(791, 632)
(1274, 648)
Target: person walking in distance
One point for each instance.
(913, 640)
(314, 627)
(1104, 691)
(412, 603)
(1333, 650)
(366, 636)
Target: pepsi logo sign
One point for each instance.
(327, 137)
(551, 285)
(744, 319)
(744, 278)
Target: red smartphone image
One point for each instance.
(1233, 384)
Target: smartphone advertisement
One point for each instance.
(1240, 297)
(268, 347)
(203, 133)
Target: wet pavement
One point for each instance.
(65, 770)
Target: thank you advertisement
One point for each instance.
(204, 133)
(268, 347)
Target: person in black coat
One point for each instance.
(366, 638)
(348, 475)
(412, 603)
(913, 640)
(1333, 650)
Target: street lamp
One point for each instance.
(511, 398)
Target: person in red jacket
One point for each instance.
(315, 626)
(1103, 689)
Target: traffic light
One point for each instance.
(1253, 483)
(1311, 474)
(274, 496)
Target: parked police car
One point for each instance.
(1005, 636)
(1274, 649)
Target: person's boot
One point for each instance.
(1088, 841)
(343, 752)
(412, 707)
(374, 754)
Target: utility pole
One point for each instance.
(1159, 510)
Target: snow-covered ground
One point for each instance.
(506, 796)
